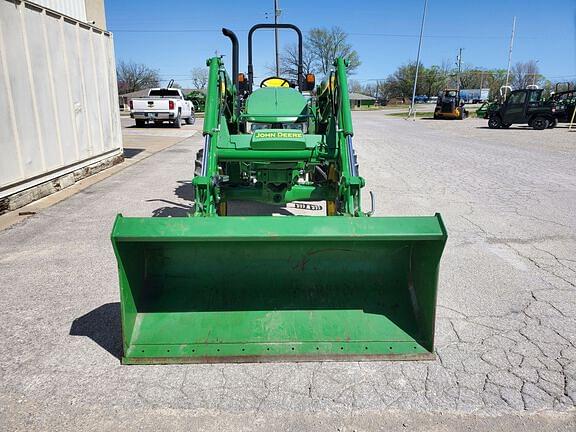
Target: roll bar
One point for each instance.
(275, 26)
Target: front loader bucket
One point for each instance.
(240, 289)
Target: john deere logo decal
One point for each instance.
(277, 135)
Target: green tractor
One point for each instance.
(220, 288)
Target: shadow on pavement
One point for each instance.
(524, 128)
(131, 152)
(102, 325)
(171, 212)
(185, 190)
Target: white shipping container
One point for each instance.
(72, 8)
(58, 96)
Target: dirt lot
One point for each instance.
(506, 324)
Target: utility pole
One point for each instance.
(276, 16)
(481, 83)
(412, 106)
(510, 55)
(459, 63)
(535, 73)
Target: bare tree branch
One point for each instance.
(132, 77)
(199, 77)
(327, 44)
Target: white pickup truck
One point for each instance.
(162, 104)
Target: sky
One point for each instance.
(176, 36)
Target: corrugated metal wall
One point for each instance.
(58, 96)
(72, 8)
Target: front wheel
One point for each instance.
(540, 123)
(494, 122)
(192, 119)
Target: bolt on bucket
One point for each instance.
(249, 289)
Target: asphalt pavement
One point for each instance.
(506, 321)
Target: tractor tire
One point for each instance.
(192, 119)
(540, 123)
(198, 163)
(495, 122)
(140, 123)
(553, 124)
(178, 122)
(222, 208)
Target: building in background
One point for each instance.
(359, 100)
(59, 110)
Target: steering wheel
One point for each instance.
(274, 82)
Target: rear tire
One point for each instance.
(140, 123)
(192, 119)
(222, 208)
(540, 123)
(495, 122)
(198, 163)
(178, 122)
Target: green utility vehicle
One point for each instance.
(214, 287)
(524, 106)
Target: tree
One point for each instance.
(401, 82)
(495, 79)
(132, 77)
(472, 77)
(376, 90)
(199, 77)
(433, 80)
(525, 74)
(289, 62)
(327, 44)
(355, 86)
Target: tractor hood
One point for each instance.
(276, 105)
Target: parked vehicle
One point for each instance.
(486, 109)
(474, 95)
(162, 104)
(564, 102)
(524, 107)
(450, 106)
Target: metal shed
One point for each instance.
(58, 101)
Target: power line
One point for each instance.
(390, 35)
